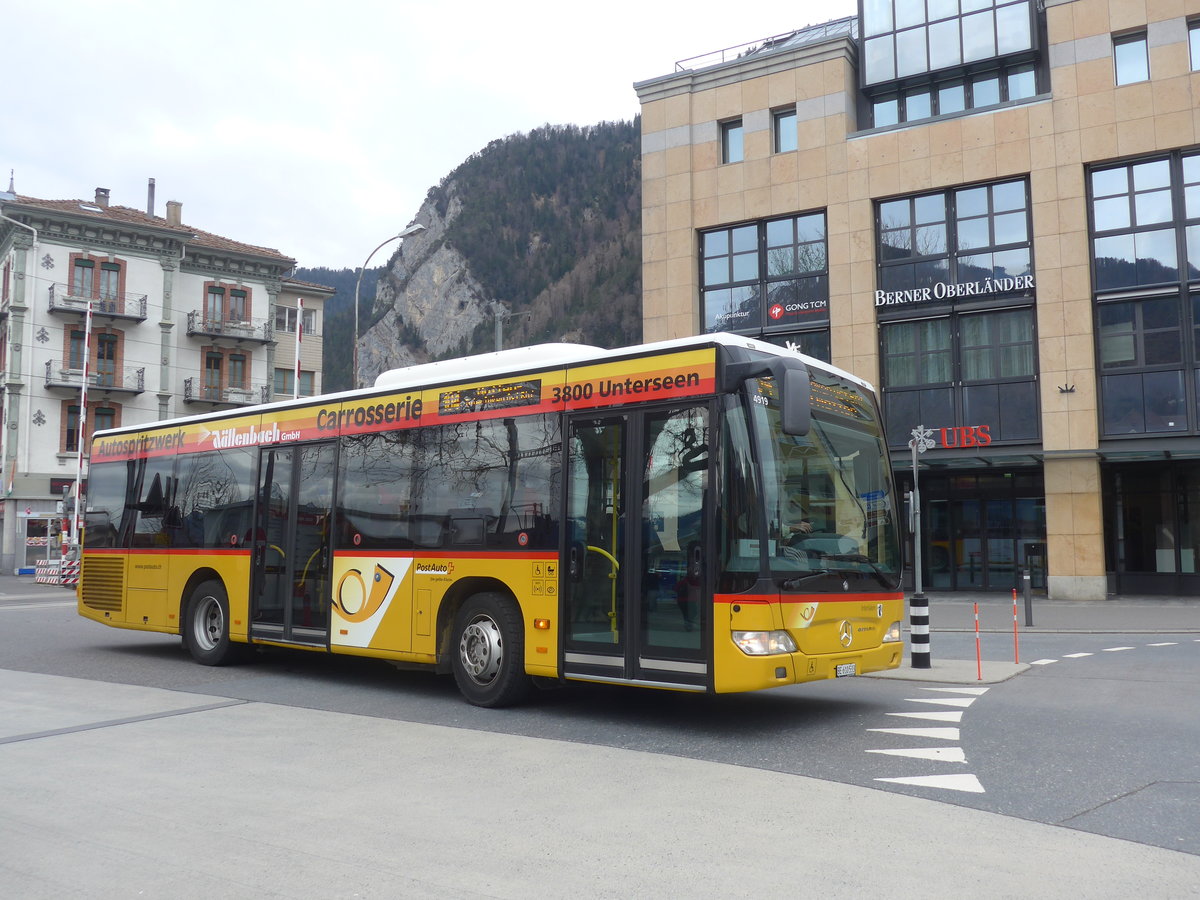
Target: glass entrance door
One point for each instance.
(637, 576)
(978, 529)
(291, 544)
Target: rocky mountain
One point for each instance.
(541, 229)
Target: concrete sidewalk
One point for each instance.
(115, 791)
(1124, 615)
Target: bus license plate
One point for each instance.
(845, 669)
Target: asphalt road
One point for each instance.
(1103, 742)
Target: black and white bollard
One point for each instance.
(918, 621)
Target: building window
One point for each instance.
(83, 275)
(107, 356)
(766, 277)
(974, 238)
(239, 310)
(1133, 224)
(1194, 44)
(784, 126)
(76, 346)
(214, 305)
(1141, 357)
(285, 381)
(237, 371)
(212, 375)
(285, 320)
(731, 141)
(110, 281)
(936, 50)
(70, 429)
(941, 98)
(902, 39)
(1145, 238)
(1131, 58)
(102, 417)
(975, 368)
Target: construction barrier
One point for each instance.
(47, 572)
(69, 573)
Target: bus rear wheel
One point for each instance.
(488, 651)
(206, 626)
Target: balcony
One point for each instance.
(239, 330)
(120, 380)
(112, 306)
(196, 391)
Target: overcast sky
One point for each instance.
(317, 128)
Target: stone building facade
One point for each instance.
(991, 210)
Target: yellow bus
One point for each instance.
(710, 514)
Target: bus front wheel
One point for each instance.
(206, 626)
(488, 651)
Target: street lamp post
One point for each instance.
(410, 230)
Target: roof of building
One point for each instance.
(308, 285)
(811, 34)
(189, 234)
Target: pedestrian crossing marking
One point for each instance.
(941, 734)
(937, 754)
(967, 783)
(963, 702)
(931, 716)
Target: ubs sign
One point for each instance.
(945, 291)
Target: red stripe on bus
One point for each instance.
(807, 598)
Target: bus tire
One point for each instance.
(488, 651)
(206, 626)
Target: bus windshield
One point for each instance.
(827, 495)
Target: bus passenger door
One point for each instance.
(636, 573)
(291, 544)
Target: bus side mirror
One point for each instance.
(795, 402)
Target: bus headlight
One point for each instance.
(892, 634)
(764, 643)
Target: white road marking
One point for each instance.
(1164, 644)
(931, 716)
(941, 734)
(938, 754)
(962, 702)
(967, 783)
(1115, 649)
(1043, 662)
(1076, 655)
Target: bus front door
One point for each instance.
(635, 574)
(291, 545)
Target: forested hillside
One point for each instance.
(546, 223)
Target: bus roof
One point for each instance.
(538, 357)
(547, 356)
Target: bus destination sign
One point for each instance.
(490, 396)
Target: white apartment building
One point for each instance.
(182, 322)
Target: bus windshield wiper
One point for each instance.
(879, 574)
(792, 583)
